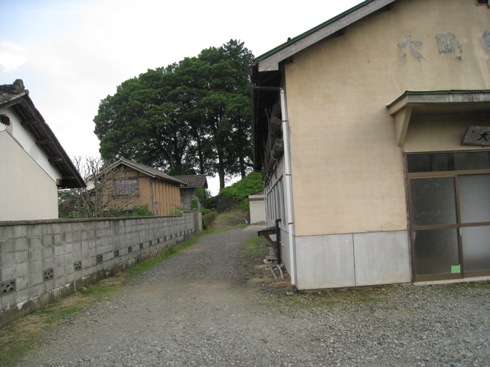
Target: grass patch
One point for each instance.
(225, 221)
(256, 247)
(54, 313)
(20, 335)
(13, 343)
(165, 254)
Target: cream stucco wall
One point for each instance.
(27, 191)
(348, 174)
(429, 132)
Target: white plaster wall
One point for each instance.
(28, 143)
(27, 191)
(257, 210)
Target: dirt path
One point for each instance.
(188, 310)
(204, 307)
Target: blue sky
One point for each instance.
(73, 53)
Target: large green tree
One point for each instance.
(190, 117)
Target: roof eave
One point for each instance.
(439, 97)
(47, 140)
(270, 61)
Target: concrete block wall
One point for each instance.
(41, 261)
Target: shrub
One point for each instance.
(140, 211)
(207, 211)
(207, 219)
(136, 211)
(194, 204)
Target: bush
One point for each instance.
(205, 198)
(207, 219)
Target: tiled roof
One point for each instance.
(15, 96)
(11, 92)
(194, 181)
(149, 171)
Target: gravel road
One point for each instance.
(212, 306)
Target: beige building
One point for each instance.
(33, 164)
(127, 184)
(373, 133)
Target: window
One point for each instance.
(275, 203)
(126, 186)
(444, 162)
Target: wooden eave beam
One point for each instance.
(402, 120)
(30, 122)
(43, 142)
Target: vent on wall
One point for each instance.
(483, 2)
(4, 119)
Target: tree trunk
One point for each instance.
(200, 153)
(243, 173)
(221, 167)
(221, 173)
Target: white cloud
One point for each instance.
(12, 56)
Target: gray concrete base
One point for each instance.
(350, 260)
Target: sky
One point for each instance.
(71, 54)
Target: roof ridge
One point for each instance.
(145, 169)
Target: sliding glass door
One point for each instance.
(474, 198)
(449, 197)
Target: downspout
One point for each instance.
(288, 183)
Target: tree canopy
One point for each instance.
(193, 116)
